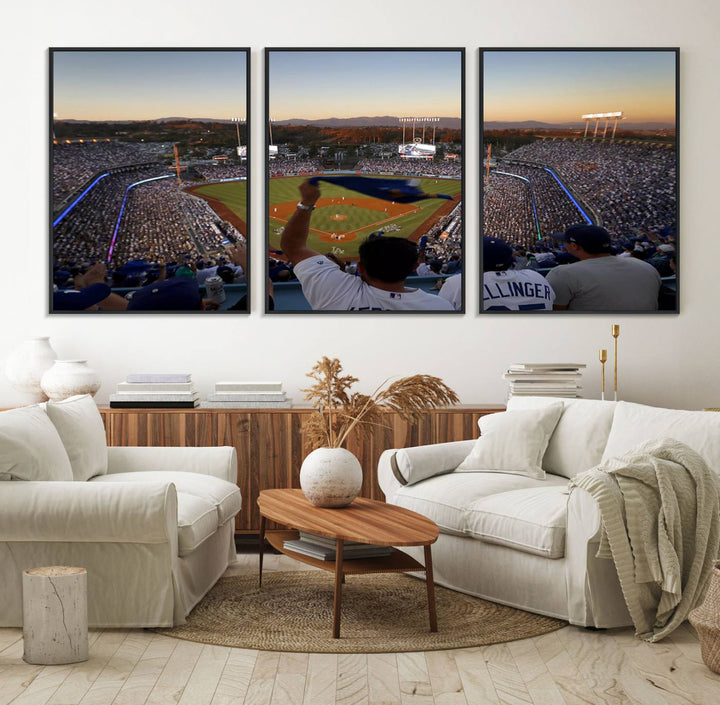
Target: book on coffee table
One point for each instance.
(327, 553)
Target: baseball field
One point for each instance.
(228, 200)
(344, 218)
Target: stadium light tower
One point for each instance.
(614, 116)
(424, 121)
(238, 122)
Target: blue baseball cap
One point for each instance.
(175, 294)
(497, 254)
(592, 238)
(80, 300)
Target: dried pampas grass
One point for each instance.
(338, 410)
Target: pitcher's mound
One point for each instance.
(337, 216)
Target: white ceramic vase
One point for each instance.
(25, 366)
(66, 378)
(331, 477)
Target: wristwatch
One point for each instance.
(302, 207)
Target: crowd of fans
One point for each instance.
(220, 172)
(162, 223)
(161, 229)
(631, 187)
(411, 167)
(507, 210)
(283, 166)
(73, 164)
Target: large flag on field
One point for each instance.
(398, 190)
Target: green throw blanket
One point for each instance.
(659, 508)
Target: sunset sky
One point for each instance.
(147, 85)
(324, 84)
(560, 86)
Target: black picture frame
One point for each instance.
(125, 124)
(584, 166)
(389, 64)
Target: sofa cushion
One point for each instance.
(580, 437)
(223, 495)
(81, 429)
(197, 521)
(30, 447)
(636, 423)
(421, 462)
(446, 499)
(513, 442)
(532, 520)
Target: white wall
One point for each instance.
(664, 360)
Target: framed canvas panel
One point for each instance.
(364, 180)
(149, 191)
(580, 180)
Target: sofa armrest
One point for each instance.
(219, 461)
(88, 512)
(594, 593)
(406, 466)
(583, 517)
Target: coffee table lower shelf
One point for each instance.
(396, 562)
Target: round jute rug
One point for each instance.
(380, 613)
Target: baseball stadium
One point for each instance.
(552, 161)
(401, 143)
(139, 198)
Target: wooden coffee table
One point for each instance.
(365, 520)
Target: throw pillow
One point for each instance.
(411, 465)
(635, 423)
(513, 442)
(579, 439)
(30, 447)
(81, 429)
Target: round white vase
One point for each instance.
(25, 366)
(331, 477)
(66, 378)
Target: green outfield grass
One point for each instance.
(283, 190)
(232, 193)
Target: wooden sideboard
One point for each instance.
(270, 443)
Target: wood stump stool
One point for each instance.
(55, 625)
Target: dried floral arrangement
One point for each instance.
(338, 410)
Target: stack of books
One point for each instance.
(155, 391)
(545, 379)
(323, 548)
(247, 395)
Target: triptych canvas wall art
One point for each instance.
(364, 181)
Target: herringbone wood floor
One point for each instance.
(570, 666)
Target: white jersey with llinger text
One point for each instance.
(516, 290)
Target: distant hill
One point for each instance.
(158, 120)
(364, 121)
(578, 125)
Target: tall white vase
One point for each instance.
(66, 378)
(331, 477)
(25, 366)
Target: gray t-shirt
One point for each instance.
(606, 284)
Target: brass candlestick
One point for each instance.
(603, 360)
(615, 330)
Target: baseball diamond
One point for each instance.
(363, 215)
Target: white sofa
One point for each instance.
(154, 527)
(529, 542)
